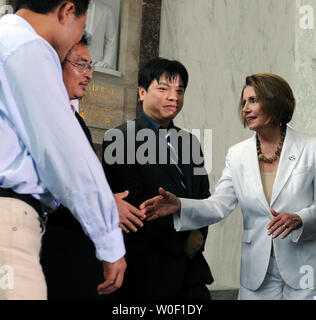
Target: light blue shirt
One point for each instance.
(43, 150)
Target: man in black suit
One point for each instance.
(64, 243)
(138, 156)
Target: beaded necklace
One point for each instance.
(277, 152)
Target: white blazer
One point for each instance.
(293, 192)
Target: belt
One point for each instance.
(35, 204)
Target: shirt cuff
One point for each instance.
(112, 247)
(177, 221)
(179, 218)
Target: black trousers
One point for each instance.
(70, 266)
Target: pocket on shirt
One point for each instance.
(247, 236)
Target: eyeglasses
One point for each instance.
(82, 66)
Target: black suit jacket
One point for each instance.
(157, 264)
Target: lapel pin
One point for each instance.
(292, 157)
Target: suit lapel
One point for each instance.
(169, 170)
(85, 129)
(291, 152)
(252, 173)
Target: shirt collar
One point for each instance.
(17, 20)
(154, 123)
(73, 109)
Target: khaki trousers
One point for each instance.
(21, 275)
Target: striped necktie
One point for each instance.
(174, 159)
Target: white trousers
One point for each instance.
(21, 275)
(274, 288)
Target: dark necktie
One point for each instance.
(174, 160)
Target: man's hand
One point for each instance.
(113, 275)
(283, 223)
(194, 243)
(130, 217)
(164, 204)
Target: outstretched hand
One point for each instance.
(164, 204)
(130, 217)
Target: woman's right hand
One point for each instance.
(164, 204)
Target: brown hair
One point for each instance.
(275, 96)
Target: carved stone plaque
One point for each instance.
(102, 106)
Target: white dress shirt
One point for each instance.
(43, 150)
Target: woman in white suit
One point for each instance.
(272, 177)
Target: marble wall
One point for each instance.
(4, 8)
(305, 66)
(221, 42)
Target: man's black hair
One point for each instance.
(85, 40)
(157, 67)
(46, 6)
